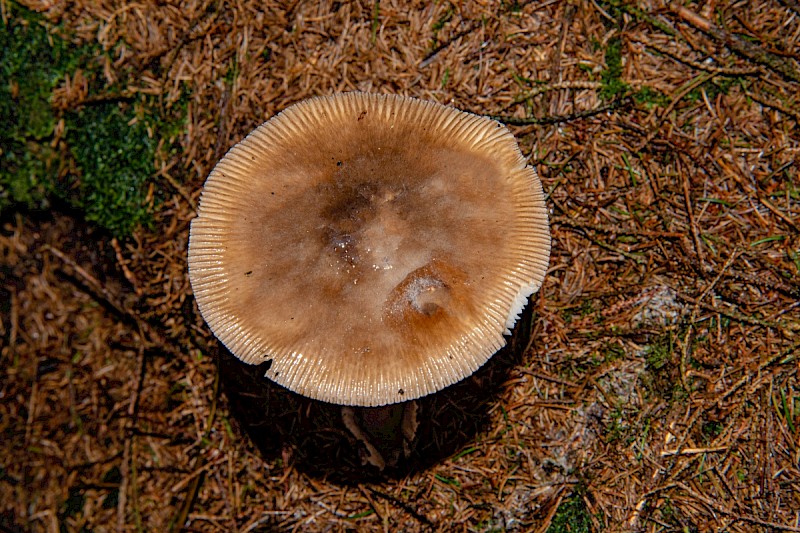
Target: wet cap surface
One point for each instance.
(373, 249)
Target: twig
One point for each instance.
(694, 451)
(514, 121)
(150, 338)
(404, 506)
(763, 101)
(744, 518)
(90, 280)
(191, 495)
(610, 248)
(555, 62)
(164, 173)
(581, 228)
(137, 515)
(547, 377)
(794, 5)
(580, 225)
(786, 287)
(122, 502)
(687, 198)
(733, 315)
(780, 169)
(12, 337)
(32, 404)
(610, 401)
(213, 410)
(722, 71)
(548, 519)
(430, 57)
(378, 512)
(766, 203)
(106, 98)
(560, 86)
(124, 267)
(222, 124)
(744, 48)
(128, 459)
(603, 12)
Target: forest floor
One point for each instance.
(660, 388)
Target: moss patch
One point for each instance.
(31, 66)
(101, 162)
(572, 516)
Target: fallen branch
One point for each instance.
(774, 105)
(558, 119)
(150, 337)
(744, 48)
(722, 71)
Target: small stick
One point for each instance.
(744, 48)
(744, 518)
(122, 503)
(556, 119)
(693, 451)
(12, 338)
(794, 5)
(698, 250)
(766, 203)
(188, 502)
(151, 337)
(563, 85)
(124, 267)
(404, 506)
(128, 460)
(93, 283)
(722, 71)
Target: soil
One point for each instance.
(653, 385)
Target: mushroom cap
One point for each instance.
(370, 249)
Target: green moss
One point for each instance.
(376, 21)
(711, 430)
(572, 516)
(714, 87)
(442, 20)
(115, 159)
(31, 66)
(650, 97)
(103, 161)
(659, 353)
(662, 370)
(617, 428)
(612, 352)
(611, 77)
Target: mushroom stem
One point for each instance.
(386, 432)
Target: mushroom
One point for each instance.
(370, 249)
